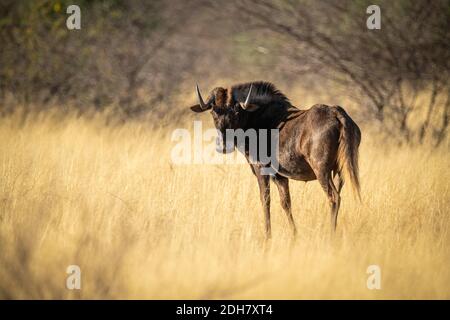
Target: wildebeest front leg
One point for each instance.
(264, 192)
(285, 198)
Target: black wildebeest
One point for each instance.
(319, 143)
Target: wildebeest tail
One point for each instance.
(347, 157)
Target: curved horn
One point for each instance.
(200, 99)
(247, 100)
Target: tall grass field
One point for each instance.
(74, 191)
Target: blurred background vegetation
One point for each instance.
(141, 59)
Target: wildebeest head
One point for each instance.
(227, 112)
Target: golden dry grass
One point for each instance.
(108, 199)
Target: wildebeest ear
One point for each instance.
(250, 107)
(197, 108)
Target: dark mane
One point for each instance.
(263, 93)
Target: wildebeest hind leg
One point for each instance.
(338, 181)
(326, 181)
